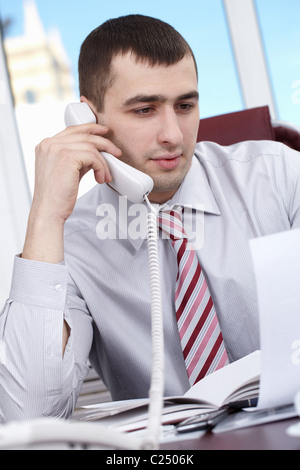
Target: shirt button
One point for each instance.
(59, 288)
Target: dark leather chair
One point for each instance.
(249, 124)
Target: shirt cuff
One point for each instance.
(38, 283)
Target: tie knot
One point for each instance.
(170, 224)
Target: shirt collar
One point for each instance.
(194, 193)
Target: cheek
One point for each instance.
(133, 134)
(190, 131)
(132, 146)
(139, 140)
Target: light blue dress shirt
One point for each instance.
(102, 289)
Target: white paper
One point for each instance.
(276, 261)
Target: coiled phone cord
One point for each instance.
(156, 391)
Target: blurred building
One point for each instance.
(39, 67)
(42, 83)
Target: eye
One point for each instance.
(185, 107)
(143, 111)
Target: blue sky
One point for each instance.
(202, 23)
(279, 20)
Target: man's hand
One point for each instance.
(61, 162)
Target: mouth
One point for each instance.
(168, 161)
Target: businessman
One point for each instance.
(79, 294)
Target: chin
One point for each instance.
(167, 183)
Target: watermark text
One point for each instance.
(295, 358)
(130, 221)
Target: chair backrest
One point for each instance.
(249, 124)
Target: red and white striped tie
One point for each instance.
(199, 330)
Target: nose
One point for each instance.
(169, 132)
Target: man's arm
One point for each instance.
(35, 378)
(61, 162)
(37, 372)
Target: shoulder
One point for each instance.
(250, 165)
(217, 155)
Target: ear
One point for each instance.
(83, 99)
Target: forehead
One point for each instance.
(132, 77)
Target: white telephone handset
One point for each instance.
(128, 181)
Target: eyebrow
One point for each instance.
(160, 98)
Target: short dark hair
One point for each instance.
(149, 39)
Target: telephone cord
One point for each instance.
(156, 391)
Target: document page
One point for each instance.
(276, 261)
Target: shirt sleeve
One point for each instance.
(36, 378)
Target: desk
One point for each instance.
(271, 436)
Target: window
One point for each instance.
(42, 41)
(279, 23)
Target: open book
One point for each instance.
(236, 382)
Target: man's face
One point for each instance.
(152, 114)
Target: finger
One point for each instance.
(85, 129)
(103, 175)
(98, 144)
(88, 157)
(103, 144)
(95, 136)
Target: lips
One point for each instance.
(168, 162)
